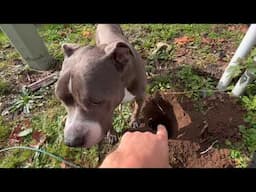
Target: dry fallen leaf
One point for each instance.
(37, 135)
(21, 130)
(221, 40)
(14, 138)
(26, 123)
(242, 28)
(87, 34)
(232, 28)
(207, 40)
(183, 40)
(38, 139)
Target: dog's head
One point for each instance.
(90, 87)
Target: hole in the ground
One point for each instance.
(158, 111)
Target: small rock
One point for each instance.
(5, 112)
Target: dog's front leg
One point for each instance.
(139, 101)
(112, 136)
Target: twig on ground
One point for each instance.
(209, 148)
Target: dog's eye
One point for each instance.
(96, 102)
(92, 102)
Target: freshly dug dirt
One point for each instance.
(197, 130)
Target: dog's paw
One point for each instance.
(135, 124)
(112, 138)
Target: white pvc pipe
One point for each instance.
(243, 50)
(242, 83)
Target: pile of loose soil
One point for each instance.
(196, 136)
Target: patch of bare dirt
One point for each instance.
(196, 138)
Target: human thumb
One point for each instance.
(162, 132)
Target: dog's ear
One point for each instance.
(69, 48)
(121, 53)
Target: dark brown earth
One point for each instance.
(191, 132)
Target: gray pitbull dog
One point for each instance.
(94, 80)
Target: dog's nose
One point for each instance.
(74, 142)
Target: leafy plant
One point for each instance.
(250, 118)
(249, 102)
(240, 160)
(122, 117)
(236, 70)
(249, 136)
(249, 131)
(159, 83)
(160, 53)
(196, 84)
(24, 101)
(244, 64)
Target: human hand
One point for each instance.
(140, 150)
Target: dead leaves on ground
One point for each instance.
(242, 28)
(14, 138)
(183, 40)
(211, 41)
(23, 129)
(87, 34)
(38, 139)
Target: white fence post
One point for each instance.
(243, 50)
(29, 44)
